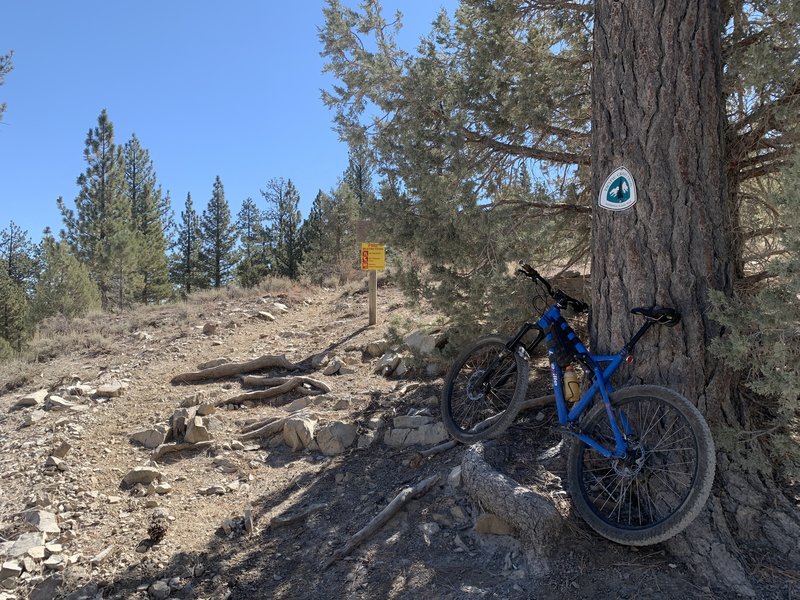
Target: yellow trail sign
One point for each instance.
(373, 257)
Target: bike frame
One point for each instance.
(602, 385)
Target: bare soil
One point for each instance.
(430, 549)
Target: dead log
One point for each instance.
(235, 368)
(532, 514)
(163, 449)
(292, 518)
(403, 498)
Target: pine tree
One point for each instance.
(13, 312)
(253, 263)
(100, 229)
(19, 256)
(64, 286)
(186, 266)
(5, 68)
(219, 239)
(147, 213)
(358, 177)
(284, 217)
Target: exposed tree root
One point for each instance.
(231, 369)
(268, 427)
(164, 449)
(403, 498)
(292, 518)
(281, 386)
(530, 513)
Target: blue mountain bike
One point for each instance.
(641, 460)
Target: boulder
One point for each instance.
(143, 475)
(335, 437)
(298, 432)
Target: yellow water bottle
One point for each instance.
(572, 389)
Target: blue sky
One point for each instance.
(210, 88)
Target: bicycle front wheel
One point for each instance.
(483, 390)
(662, 483)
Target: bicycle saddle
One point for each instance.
(659, 314)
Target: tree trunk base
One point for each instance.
(532, 514)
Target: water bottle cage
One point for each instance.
(563, 349)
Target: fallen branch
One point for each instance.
(403, 498)
(235, 368)
(282, 385)
(291, 519)
(258, 424)
(163, 449)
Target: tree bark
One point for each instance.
(658, 109)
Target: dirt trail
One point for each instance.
(216, 495)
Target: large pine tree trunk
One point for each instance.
(658, 110)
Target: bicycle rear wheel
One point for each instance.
(662, 484)
(483, 390)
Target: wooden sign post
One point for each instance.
(373, 259)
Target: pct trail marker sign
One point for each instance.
(618, 191)
(373, 259)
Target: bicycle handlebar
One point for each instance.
(562, 299)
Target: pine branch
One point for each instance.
(524, 151)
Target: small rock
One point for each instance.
(57, 562)
(57, 403)
(159, 590)
(33, 417)
(205, 409)
(59, 464)
(49, 549)
(43, 520)
(47, 588)
(366, 440)
(110, 390)
(62, 450)
(40, 552)
(249, 525)
(342, 403)
(196, 431)
(401, 370)
(491, 524)
(143, 475)
(10, 569)
(387, 364)
(149, 438)
(211, 490)
(265, 315)
(334, 437)
(412, 422)
(282, 308)
(376, 348)
(34, 399)
(25, 542)
(211, 327)
(102, 555)
(298, 404)
(333, 367)
(454, 478)
(427, 435)
(28, 564)
(162, 488)
(298, 432)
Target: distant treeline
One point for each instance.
(121, 244)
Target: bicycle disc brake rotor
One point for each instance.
(631, 465)
(477, 392)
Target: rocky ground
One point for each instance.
(122, 478)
